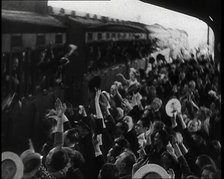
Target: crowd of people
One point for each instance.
(27, 72)
(130, 131)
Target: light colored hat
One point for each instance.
(172, 106)
(12, 166)
(152, 171)
(29, 156)
(31, 161)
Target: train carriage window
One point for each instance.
(90, 36)
(119, 35)
(16, 41)
(99, 36)
(40, 40)
(58, 38)
(107, 35)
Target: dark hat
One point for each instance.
(57, 159)
(94, 82)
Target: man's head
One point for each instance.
(141, 126)
(71, 137)
(109, 171)
(125, 161)
(94, 84)
(129, 121)
(193, 125)
(208, 172)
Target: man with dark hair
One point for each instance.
(141, 127)
(124, 163)
(109, 171)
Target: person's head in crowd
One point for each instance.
(203, 160)
(31, 161)
(129, 121)
(195, 74)
(192, 85)
(182, 75)
(199, 82)
(121, 129)
(69, 109)
(160, 139)
(109, 171)
(113, 90)
(120, 114)
(113, 153)
(94, 84)
(76, 158)
(208, 172)
(56, 160)
(173, 68)
(200, 143)
(133, 73)
(194, 125)
(203, 113)
(142, 126)
(214, 147)
(157, 126)
(122, 142)
(71, 136)
(160, 59)
(125, 162)
(167, 161)
(156, 104)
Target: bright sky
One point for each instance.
(135, 10)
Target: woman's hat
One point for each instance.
(12, 166)
(152, 171)
(172, 106)
(31, 162)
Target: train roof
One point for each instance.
(116, 27)
(85, 21)
(31, 18)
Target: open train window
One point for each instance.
(107, 35)
(58, 38)
(40, 40)
(99, 36)
(90, 36)
(119, 35)
(16, 43)
(16, 40)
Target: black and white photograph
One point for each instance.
(111, 89)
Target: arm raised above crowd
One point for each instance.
(58, 137)
(185, 169)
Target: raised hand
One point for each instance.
(179, 138)
(60, 108)
(125, 103)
